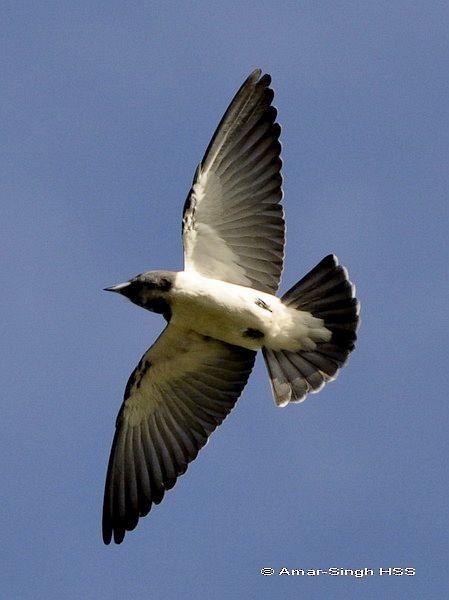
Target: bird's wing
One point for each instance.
(181, 390)
(233, 225)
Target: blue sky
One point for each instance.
(106, 108)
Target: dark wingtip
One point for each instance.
(107, 535)
(110, 531)
(255, 74)
(119, 535)
(257, 77)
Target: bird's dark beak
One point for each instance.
(119, 288)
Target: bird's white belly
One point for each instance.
(238, 315)
(221, 310)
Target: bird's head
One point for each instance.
(149, 290)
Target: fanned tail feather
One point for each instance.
(327, 294)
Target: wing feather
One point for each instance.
(182, 388)
(234, 203)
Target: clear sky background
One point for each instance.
(106, 109)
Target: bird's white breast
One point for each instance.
(219, 309)
(226, 311)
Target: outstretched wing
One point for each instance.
(181, 390)
(233, 225)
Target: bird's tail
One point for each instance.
(327, 294)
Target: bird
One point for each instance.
(220, 310)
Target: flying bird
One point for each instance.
(220, 310)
